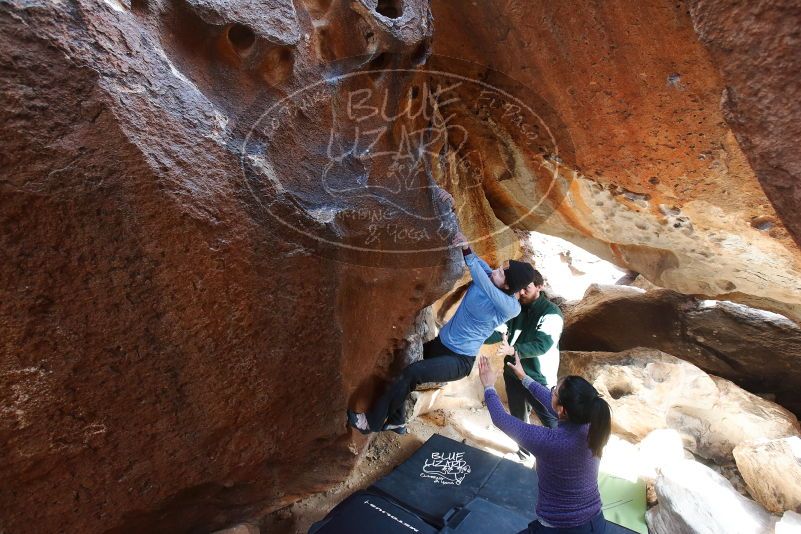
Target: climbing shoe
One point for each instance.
(398, 429)
(358, 421)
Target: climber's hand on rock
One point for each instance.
(517, 367)
(485, 372)
(459, 240)
(446, 198)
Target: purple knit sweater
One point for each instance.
(567, 469)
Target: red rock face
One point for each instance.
(219, 222)
(756, 350)
(654, 179)
(757, 48)
(183, 328)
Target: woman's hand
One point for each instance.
(517, 368)
(485, 372)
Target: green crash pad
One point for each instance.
(623, 502)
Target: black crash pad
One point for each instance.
(444, 487)
(367, 513)
(443, 474)
(481, 515)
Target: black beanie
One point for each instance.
(519, 274)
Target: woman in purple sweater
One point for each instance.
(568, 456)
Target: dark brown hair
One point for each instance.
(583, 405)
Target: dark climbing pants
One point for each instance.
(521, 401)
(439, 364)
(596, 525)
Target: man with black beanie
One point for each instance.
(533, 335)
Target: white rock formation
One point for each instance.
(658, 451)
(649, 389)
(772, 471)
(735, 417)
(693, 499)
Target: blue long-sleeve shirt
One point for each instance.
(482, 309)
(566, 467)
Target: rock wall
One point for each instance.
(219, 220)
(185, 314)
(648, 389)
(652, 177)
(757, 49)
(758, 350)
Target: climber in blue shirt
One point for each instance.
(491, 300)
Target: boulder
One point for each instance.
(643, 460)
(631, 461)
(736, 416)
(641, 386)
(648, 389)
(726, 470)
(693, 499)
(759, 64)
(755, 349)
(191, 293)
(621, 458)
(658, 183)
(772, 471)
(219, 223)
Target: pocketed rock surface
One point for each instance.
(211, 246)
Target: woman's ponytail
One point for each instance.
(600, 426)
(583, 405)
